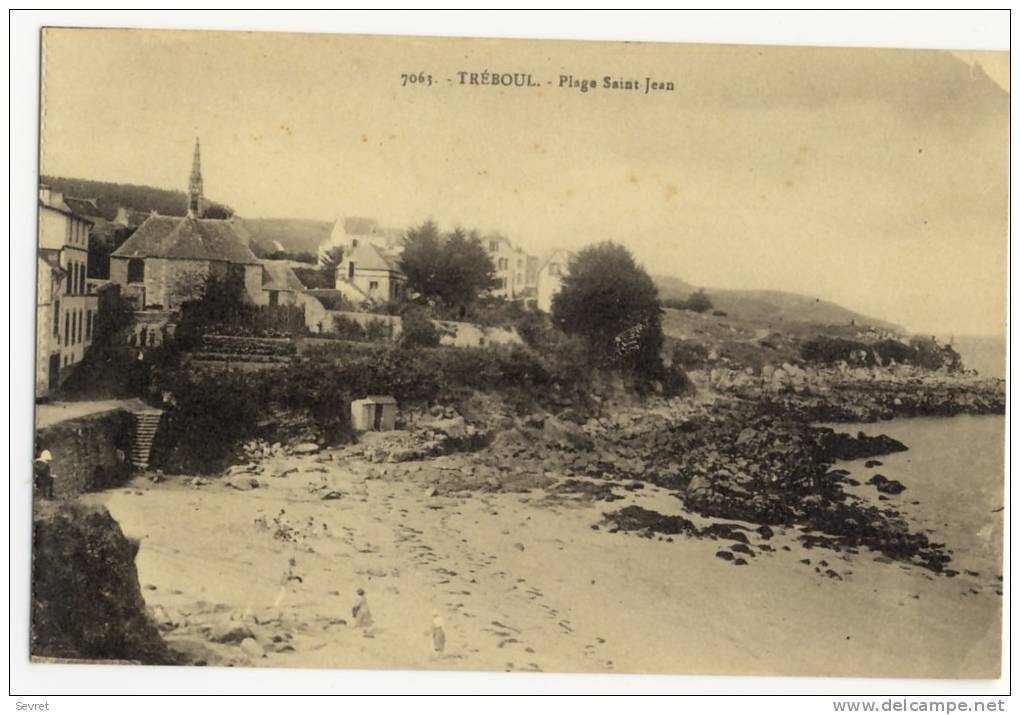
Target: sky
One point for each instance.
(877, 179)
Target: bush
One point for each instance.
(208, 417)
(345, 328)
(418, 330)
(697, 302)
(689, 354)
(826, 350)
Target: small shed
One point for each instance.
(375, 412)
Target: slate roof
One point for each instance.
(83, 207)
(187, 238)
(278, 275)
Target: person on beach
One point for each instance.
(438, 634)
(289, 576)
(362, 616)
(42, 476)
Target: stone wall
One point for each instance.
(90, 452)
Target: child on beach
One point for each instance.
(289, 576)
(438, 634)
(362, 616)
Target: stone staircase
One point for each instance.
(146, 425)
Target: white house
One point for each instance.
(65, 310)
(550, 278)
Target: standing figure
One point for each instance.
(42, 476)
(438, 634)
(362, 616)
(289, 575)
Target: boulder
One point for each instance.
(229, 632)
(251, 648)
(566, 435)
(305, 448)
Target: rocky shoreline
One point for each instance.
(754, 457)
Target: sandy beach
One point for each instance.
(522, 580)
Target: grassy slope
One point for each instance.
(771, 309)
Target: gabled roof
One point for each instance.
(369, 257)
(278, 275)
(60, 204)
(560, 254)
(187, 238)
(83, 207)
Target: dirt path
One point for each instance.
(521, 581)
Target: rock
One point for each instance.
(454, 427)
(229, 632)
(741, 549)
(566, 435)
(431, 492)
(280, 474)
(724, 555)
(872, 463)
(519, 546)
(765, 532)
(251, 647)
(332, 495)
(305, 448)
(886, 486)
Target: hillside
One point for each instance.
(771, 309)
(109, 196)
(293, 235)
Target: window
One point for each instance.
(373, 286)
(350, 270)
(56, 319)
(67, 329)
(274, 297)
(70, 271)
(503, 264)
(136, 270)
(502, 283)
(493, 246)
(88, 326)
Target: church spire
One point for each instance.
(195, 199)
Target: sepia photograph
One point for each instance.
(545, 356)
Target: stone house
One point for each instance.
(167, 260)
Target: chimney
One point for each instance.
(44, 193)
(122, 218)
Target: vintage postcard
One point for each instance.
(512, 355)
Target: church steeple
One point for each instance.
(196, 202)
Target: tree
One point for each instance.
(421, 261)
(611, 302)
(467, 269)
(698, 301)
(329, 261)
(453, 268)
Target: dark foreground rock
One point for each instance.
(86, 600)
